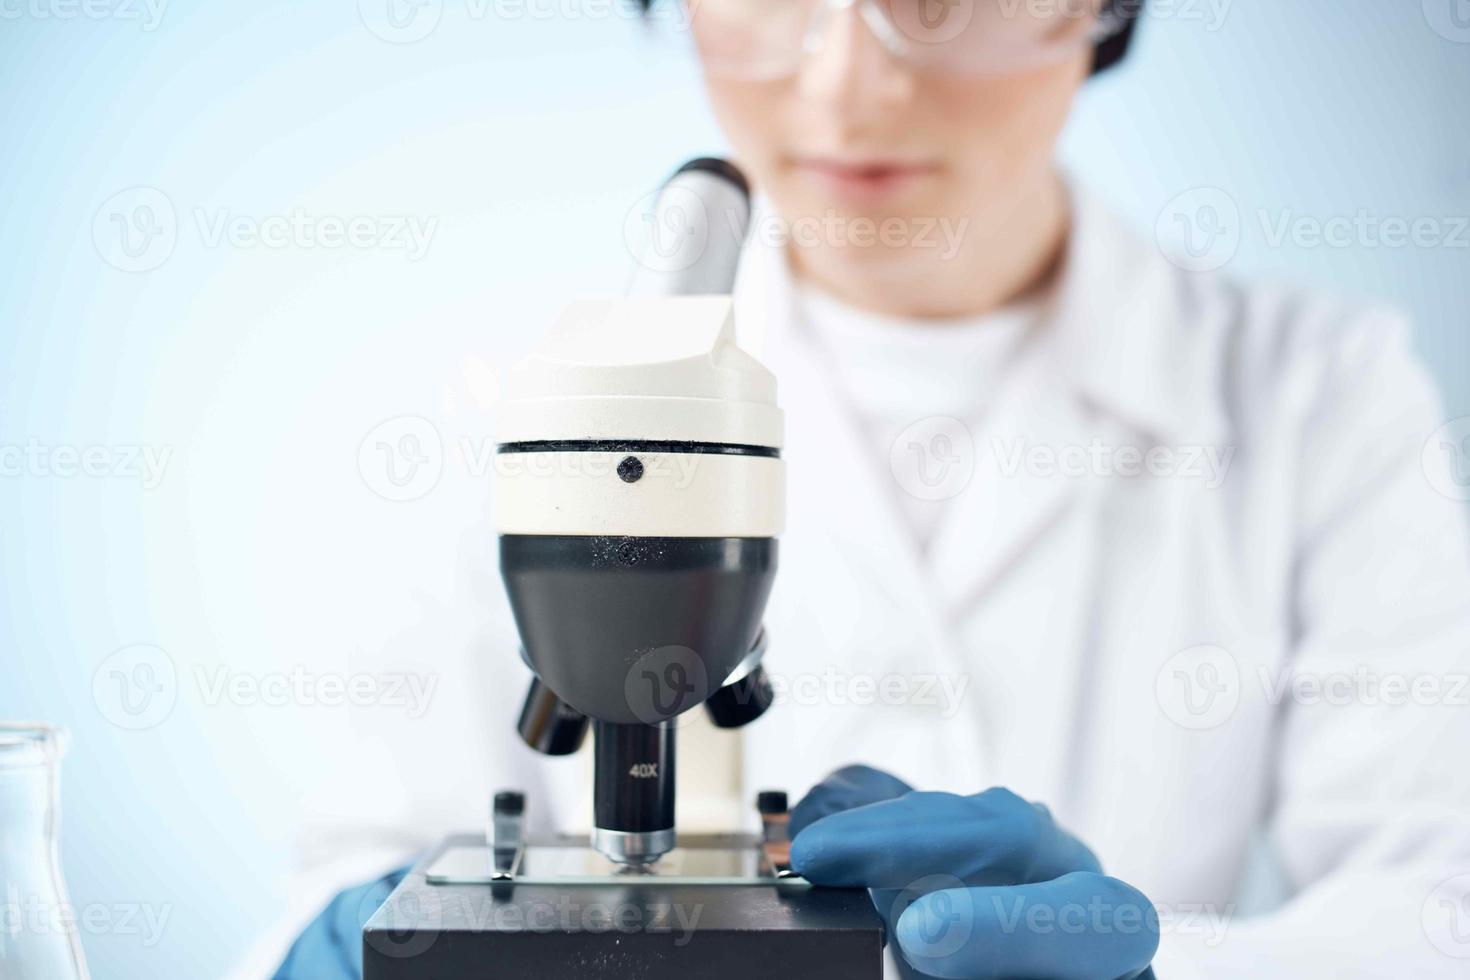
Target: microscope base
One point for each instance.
(653, 927)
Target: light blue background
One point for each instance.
(529, 136)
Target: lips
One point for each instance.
(864, 179)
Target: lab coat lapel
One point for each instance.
(1105, 359)
(1014, 496)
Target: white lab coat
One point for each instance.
(1112, 645)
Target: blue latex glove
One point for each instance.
(974, 887)
(331, 947)
(848, 787)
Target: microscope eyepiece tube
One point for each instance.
(633, 791)
(697, 228)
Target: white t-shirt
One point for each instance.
(897, 373)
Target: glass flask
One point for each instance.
(39, 939)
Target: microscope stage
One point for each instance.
(704, 859)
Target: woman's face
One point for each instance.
(857, 132)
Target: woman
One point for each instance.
(1150, 547)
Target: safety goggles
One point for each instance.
(768, 39)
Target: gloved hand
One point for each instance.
(331, 947)
(974, 887)
(848, 787)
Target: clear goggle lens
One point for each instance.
(762, 39)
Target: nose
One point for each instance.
(846, 68)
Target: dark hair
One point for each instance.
(1112, 48)
(1108, 52)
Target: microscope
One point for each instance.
(639, 495)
